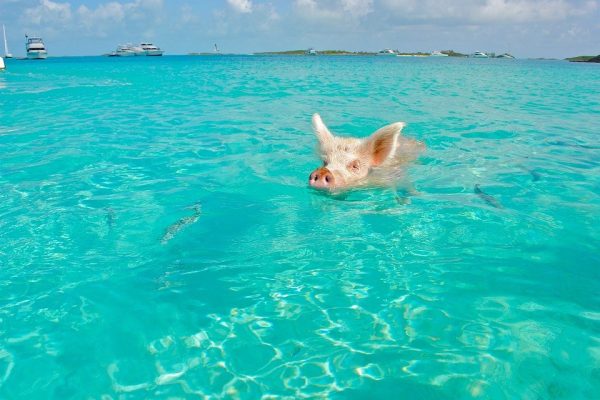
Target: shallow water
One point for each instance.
(158, 239)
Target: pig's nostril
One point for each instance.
(321, 178)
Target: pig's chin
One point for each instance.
(330, 189)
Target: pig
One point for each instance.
(349, 162)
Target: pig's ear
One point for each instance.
(381, 145)
(321, 130)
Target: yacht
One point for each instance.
(129, 50)
(148, 49)
(125, 50)
(505, 55)
(479, 54)
(6, 53)
(35, 48)
(311, 52)
(438, 53)
(386, 52)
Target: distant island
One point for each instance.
(450, 53)
(322, 52)
(206, 54)
(411, 54)
(593, 59)
(385, 52)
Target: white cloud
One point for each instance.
(188, 16)
(113, 11)
(357, 8)
(488, 11)
(263, 18)
(249, 25)
(48, 12)
(311, 10)
(320, 10)
(99, 21)
(242, 6)
(524, 11)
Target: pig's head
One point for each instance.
(347, 161)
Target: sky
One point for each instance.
(524, 28)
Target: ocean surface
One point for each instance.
(158, 238)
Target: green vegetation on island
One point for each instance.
(346, 53)
(204, 54)
(449, 53)
(321, 52)
(452, 53)
(285, 53)
(410, 54)
(386, 52)
(594, 59)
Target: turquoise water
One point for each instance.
(158, 238)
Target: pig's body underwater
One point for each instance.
(352, 162)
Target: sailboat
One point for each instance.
(6, 53)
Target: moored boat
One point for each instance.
(126, 50)
(129, 50)
(386, 52)
(35, 48)
(6, 52)
(149, 49)
(438, 53)
(479, 54)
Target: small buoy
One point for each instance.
(2, 63)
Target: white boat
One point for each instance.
(148, 49)
(2, 64)
(311, 52)
(129, 50)
(479, 54)
(6, 53)
(125, 50)
(506, 55)
(386, 52)
(438, 53)
(35, 48)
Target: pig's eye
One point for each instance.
(354, 166)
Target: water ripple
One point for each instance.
(275, 290)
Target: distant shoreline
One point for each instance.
(450, 53)
(323, 52)
(294, 53)
(590, 59)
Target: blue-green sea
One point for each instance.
(158, 238)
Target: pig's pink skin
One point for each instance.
(322, 178)
(351, 162)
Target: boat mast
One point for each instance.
(5, 44)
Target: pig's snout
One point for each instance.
(321, 178)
